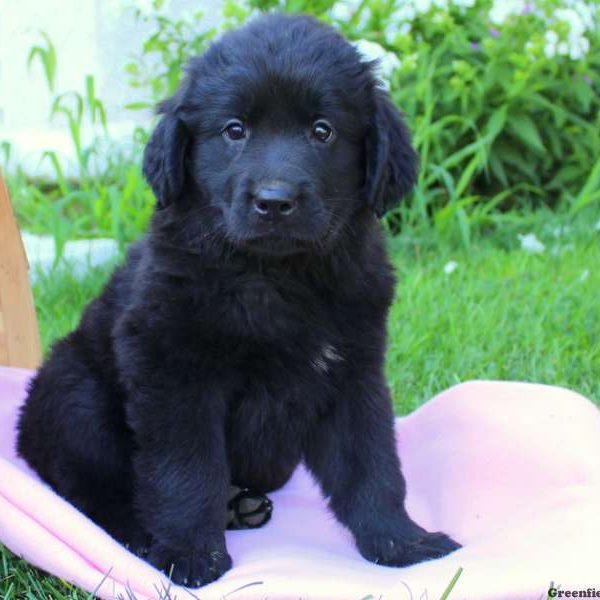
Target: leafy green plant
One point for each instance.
(158, 67)
(45, 52)
(498, 122)
(108, 196)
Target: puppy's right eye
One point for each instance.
(234, 130)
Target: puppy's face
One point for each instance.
(278, 135)
(284, 167)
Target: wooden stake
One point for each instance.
(19, 336)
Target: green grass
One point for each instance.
(60, 297)
(502, 314)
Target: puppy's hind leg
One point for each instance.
(72, 432)
(110, 506)
(247, 509)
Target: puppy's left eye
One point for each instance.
(322, 131)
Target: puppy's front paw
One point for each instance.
(138, 543)
(194, 567)
(404, 547)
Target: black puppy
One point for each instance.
(246, 331)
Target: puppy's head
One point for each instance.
(277, 136)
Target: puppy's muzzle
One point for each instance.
(274, 202)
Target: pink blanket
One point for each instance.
(510, 470)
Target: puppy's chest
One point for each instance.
(292, 365)
(265, 310)
(284, 389)
(290, 351)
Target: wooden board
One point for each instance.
(19, 336)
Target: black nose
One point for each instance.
(274, 201)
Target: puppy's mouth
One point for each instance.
(275, 245)
(276, 236)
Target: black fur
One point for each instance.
(232, 345)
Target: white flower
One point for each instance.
(584, 275)
(578, 48)
(560, 230)
(400, 21)
(404, 12)
(597, 226)
(394, 28)
(530, 243)
(551, 39)
(464, 3)
(502, 9)
(422, 6)
(572, 18)
(345, 9)
(579, 19)
(586, 11)
(342, 11)
(387, 63)
(450, 267)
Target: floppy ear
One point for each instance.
(392, 163)
(164, 157)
